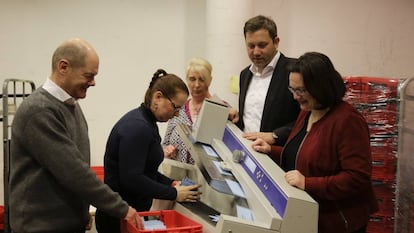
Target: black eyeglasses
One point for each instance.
(176, 108)
(300, 91)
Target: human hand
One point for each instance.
(188, 193)
(233, 115)
(134, 219)
(261, 146)
(295, 178)
(170, 152)
(266, 136)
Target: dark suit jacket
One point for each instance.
(280, 109)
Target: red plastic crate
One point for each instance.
(379, 113)
(99, 171)
(354, 89)
(379, 89)
(385, 195)
(383, 167)
(386, 203)
(174, 222)
(370, 89)
(383, 146)
(384, 188)
(380, 224)
(378, 130)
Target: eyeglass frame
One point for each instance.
(300, 91)
(175, 107)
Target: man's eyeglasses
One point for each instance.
(300, 91)
(176, 108)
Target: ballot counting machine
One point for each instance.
(244, 188)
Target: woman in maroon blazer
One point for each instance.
(328, 151)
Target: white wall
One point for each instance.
(135, 37)
(370, 37)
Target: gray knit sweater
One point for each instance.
(51, 184)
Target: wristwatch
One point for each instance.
(274, 135)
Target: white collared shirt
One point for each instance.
(256, 95)
(57, 91)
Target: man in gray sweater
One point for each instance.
(51, 183)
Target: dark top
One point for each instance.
(132, 157)
(280, 109)
(290, 152)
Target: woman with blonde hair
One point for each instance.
(198, 77)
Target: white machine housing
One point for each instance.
(275, 205)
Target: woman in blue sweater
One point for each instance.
(134, 153)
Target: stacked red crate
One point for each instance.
(377, 99)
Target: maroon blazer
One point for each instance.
(335, 158)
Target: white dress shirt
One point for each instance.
(256, 95)
(58, 92)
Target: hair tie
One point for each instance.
(158, 74)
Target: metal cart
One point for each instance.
(14, 92)
(404, 211)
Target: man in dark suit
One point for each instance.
(266, 107)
